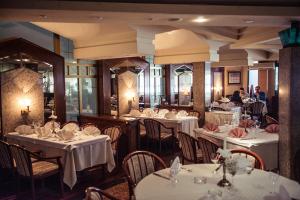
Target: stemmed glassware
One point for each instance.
(274, 179)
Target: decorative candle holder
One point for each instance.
(53, 119)
(224, 182)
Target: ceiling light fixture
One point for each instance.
(249, 21)
(43, 16)
(200, 19)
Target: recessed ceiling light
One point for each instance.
(43, 16)
(175, 19)
(249, 21)
(200, 20)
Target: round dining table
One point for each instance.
(199, 181)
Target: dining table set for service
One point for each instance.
(79, 149)
(247, 134)
(180, 120)
(202, 182)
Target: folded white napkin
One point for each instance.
(49, 125)
(42, 132)
(91, 130)
(182, 113)
(135, 113)
(65, 134)
(148, 112)
(24, 129)
(170, 115)
(215, 104)
(175, 167)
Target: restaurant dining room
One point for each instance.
(150, 100)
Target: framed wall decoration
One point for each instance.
(234, 77)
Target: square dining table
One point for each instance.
(82, 152)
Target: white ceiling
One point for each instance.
(93, 23)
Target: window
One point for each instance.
(253, 78)
(81, 90)
(276, 78)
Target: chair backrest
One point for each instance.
(207, 147)
(188, 146)
(256, 108)
(194, 113)
(22, 160)
(153, 128)
(114, 133)
(218, 108)
(71, 126)
(297, 166)
(6, 160)
(139, 164)
(271, 120)
(93, 193)
(257, 161)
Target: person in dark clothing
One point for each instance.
(259, 95)
(236, 97)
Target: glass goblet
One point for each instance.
(274, 179)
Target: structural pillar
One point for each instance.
(289, 108)
(199, 71)
(104, 89)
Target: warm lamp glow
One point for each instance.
(218, 88)
(24, 102)
(129, 95)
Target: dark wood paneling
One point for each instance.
(104, 88)
(20, 45)
(168, 83)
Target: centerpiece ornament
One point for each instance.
(53, 119)
(232, 164)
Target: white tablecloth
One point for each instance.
(185, 124)
(262, 143)
(256, 186)
(220, 117)
(84, 152)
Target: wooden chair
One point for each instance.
(90, 127)
(71, 126)
(258, 162)
(189, 148)
(207, 147)
(154, 133)
(6, 162)
(256, 109)
(114, 133)
(194, 113)
(93, 193)
(139, 164)
(271, 120)
(38, 170)
(297, 166)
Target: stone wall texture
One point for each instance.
(127, 84)
(15, 85)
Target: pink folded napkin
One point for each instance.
(237, 133)
(211, 127)
(246, 123)
(272, 128)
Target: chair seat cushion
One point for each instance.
(44, 168)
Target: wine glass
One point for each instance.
(274, 179)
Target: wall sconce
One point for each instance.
(25, 104)
(129, 95)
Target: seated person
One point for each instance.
(236, 97)
(259, 95)
(243, 93)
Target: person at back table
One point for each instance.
(243, 94)
(236, 97)
(259, 95)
